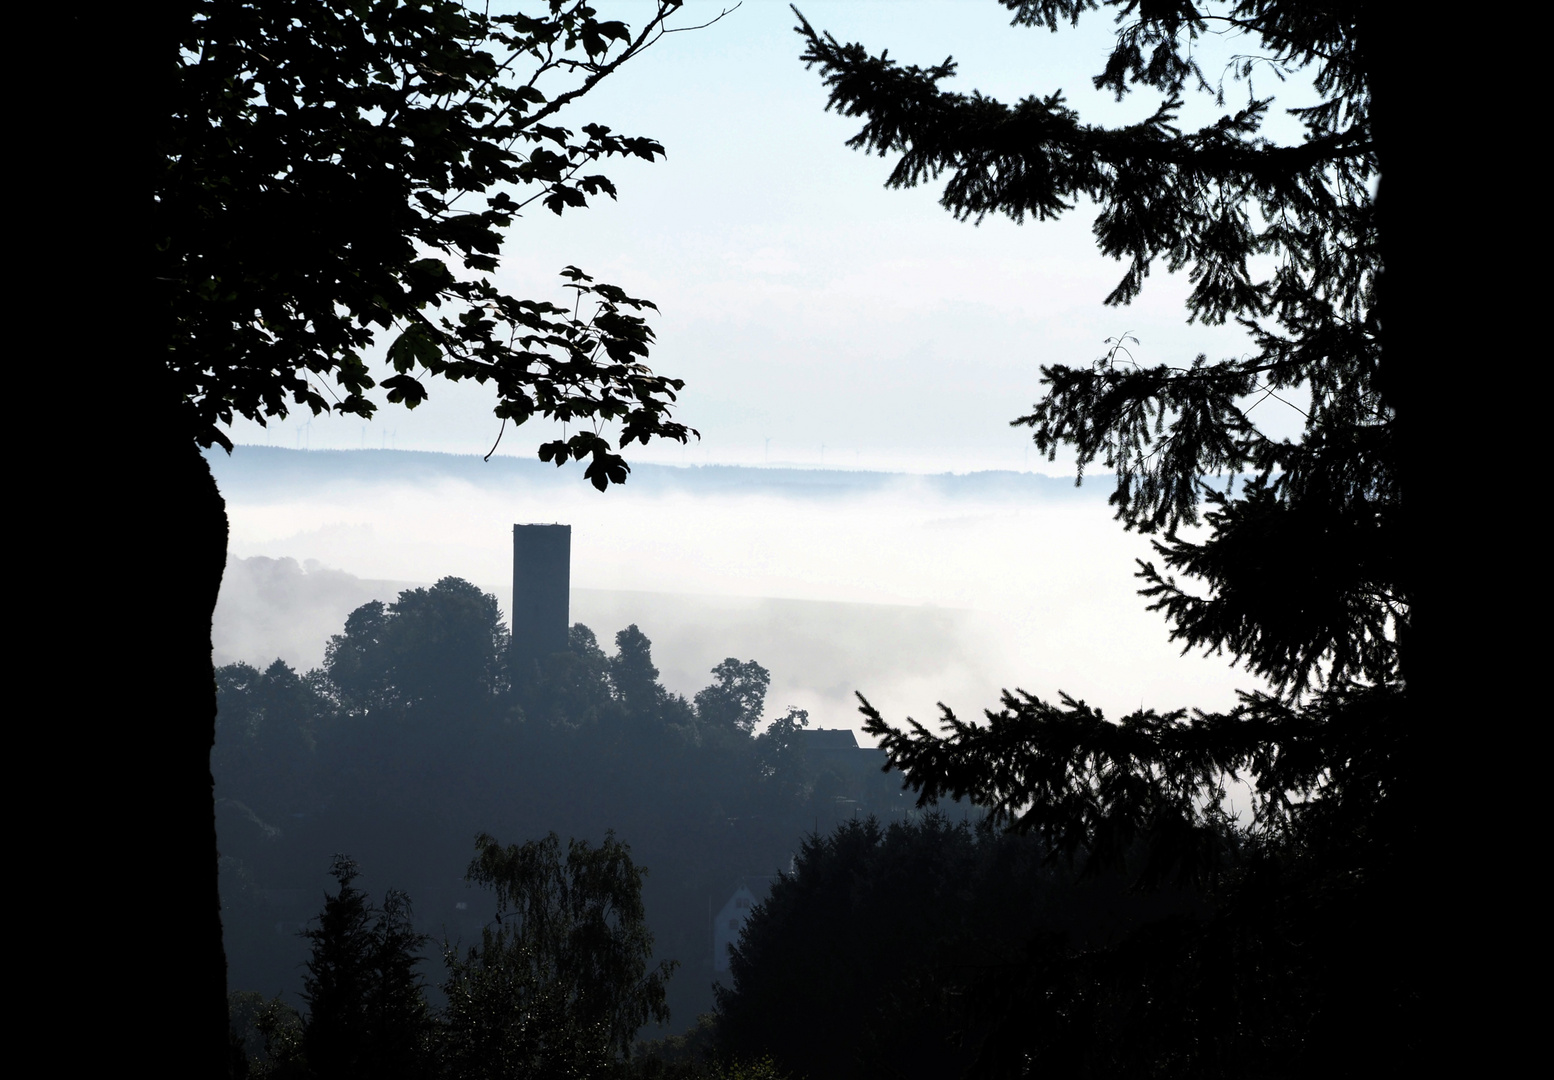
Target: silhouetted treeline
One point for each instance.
(933, 949)
(905, 950)
(894, 950)
(892, 942)
(416, 735)
(557, 985)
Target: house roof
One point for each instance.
(830, 739)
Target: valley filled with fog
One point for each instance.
(909, 589)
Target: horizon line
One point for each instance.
(790, 466)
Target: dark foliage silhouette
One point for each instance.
(337, 172)
(366, 1010)
(846, 969)
(367, 1014)
(304, 182)
(266, 1037)
(266, 734)
(1309, 571)
(446, 645)
(633, 675)
(557, 986)
(886, 950)
(561, 980)
(736, 699)
(400, 763)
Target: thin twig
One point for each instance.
(703, 26)
(498, 442)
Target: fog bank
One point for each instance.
(910, 589)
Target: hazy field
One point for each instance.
(910, 589)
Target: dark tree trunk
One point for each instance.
(135, 516)
(181, 525)
(1441, 294)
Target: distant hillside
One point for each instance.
(254, 471)
(819, 653)
(912, 589)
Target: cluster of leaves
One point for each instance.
(561, 984)
(443, 647)
(1295, 573)
(738, 698)
(343, 170)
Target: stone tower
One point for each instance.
(542, 578)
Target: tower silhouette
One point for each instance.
(542, 579)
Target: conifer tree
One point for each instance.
(367, 1014)
(1312, 572)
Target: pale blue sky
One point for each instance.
(805, 304)
(817, 317)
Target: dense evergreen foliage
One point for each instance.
(557, 987)
(367, 1014)
(883, 952)
(1300, 573)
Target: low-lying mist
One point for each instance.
(910, 589)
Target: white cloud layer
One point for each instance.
(912, 590)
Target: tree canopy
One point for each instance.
(1297, 570)
(876, 953)
(560, 982)
(1210, 202)
(367, 1015)
(401, 763)
(306, 183)
(341, 175)
(446, 645)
